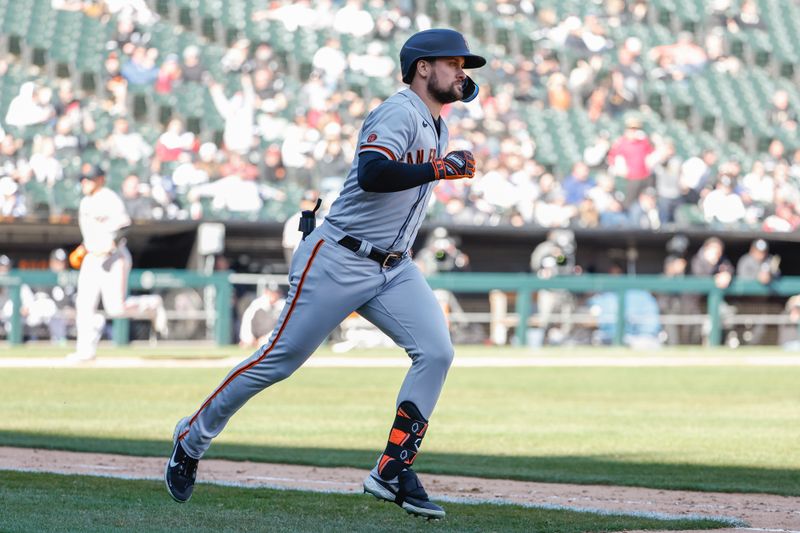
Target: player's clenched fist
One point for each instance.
(455, 165)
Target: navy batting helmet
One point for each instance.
(437, 42)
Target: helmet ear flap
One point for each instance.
(470, 89)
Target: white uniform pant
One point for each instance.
(106, 276)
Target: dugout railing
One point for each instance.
(219, 315)
(525, 285)
(522, 285)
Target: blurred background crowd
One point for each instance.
(607, 113)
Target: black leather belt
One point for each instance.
(385, 259)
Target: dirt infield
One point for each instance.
(760, 512)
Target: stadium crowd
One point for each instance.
(283, 133)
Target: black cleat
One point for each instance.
(407, 493)
(181, 470)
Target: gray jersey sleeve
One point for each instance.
(390, 130)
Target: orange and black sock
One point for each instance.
(404, 440)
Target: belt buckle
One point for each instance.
(390, 256)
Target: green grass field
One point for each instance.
(43, 502)
(726, 428)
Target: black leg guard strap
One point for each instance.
(404, 441)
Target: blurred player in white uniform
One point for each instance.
(105, 266)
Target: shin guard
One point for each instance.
(404, 440)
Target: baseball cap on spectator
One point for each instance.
(207, 151)
(5, 261)
(633, 123)
(90, 172)
(8, 186)
(760, 245)
(58, 255)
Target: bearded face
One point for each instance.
(445, 83)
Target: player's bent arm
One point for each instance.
(376, 173)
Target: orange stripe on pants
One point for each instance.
(268, 350)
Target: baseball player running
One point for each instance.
(358, 260)
(105, 263)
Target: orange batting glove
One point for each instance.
(76, 256)
(455, 166)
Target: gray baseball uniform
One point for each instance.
(329, 280)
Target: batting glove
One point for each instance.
(76, 257)
(455, 165)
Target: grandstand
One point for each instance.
(722, 103)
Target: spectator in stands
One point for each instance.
(628, 158)
(551, 210)
(126, 144)
(776, 155)
(780, 114)
(138, 205)
(296, 14)
(757, 264)
(758, 186)
(67, 104)
(722, 206)
(189, 172)
(235, 57)
(710, 261)
(260, 317)
(330, 154)
(46, 168)
(168, 74)
(716, 46)
(643, 214)
(173, 142)
(746, 18)
(191, 69)
(238, 114)
(126, 36)
(65, 142)
(136, 10)
(577, 183)
(681, 59)
(680, 305)
(374, 64)
(696, 174)
(627, 78)
(558, 94)
(12, 203)
(116, 87)
(141, 70)
(784, 219)
(352, 19)
(11, 161)
(63, 296)
(666, 165)
(331, 61)
(441, 254)
(30, 107)
(237, 192)
(298, 145)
